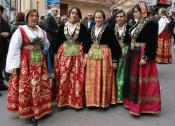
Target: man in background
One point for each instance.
(4, 36)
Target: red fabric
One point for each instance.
(29, 91)
(163, 54)
(148, 87)
(70, 79)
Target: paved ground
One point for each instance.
(115, 116)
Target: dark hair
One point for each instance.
(1, 8)
(115, 11)
(42, 17)
(28, 12)
(78, 11)
(120, 11)
(20, 16)
(137, 6)
(102, 12)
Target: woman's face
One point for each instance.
(74, 16)
(137, 14)
(99, 20)
(32, 19)
(120, 18)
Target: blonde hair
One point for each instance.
(162, 11)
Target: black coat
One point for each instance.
(4, 27)
(14, 26)
(51, 28)
(149, 35)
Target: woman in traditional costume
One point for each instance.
(69, 61)
(101, 61)
(164, 39)
(141, 86)
(29, 90)
(122, 35)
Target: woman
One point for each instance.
(102, 59)
(69, 61)
(29, 90)
(141, 87)
(122, 35)
(164, 39)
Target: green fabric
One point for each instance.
(95, 53)
(71, 49)
(36, 56)
(120, 74)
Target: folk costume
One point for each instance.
(163, 54)
(29, 90)
(69, 68)
(100, 87)
(123, 37)
(141, 86)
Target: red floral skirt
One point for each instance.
(69, 71)
(164, 48)
(29, 90)
(100, 87)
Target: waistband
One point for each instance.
(32, 47)
(103, 46)
(139, 44)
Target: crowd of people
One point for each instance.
(95, 62)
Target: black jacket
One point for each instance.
(149, 35)
(83, 37)
(4, 27)
(108, 38)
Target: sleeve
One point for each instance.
(151, 42)
(127, 38)
(14, 52)
(85, 38)
(114, 45)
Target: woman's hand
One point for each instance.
(142, 61)
(114, 66)
(14, 71)
(84, 61)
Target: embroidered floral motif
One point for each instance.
(36, 57)
(137, 32)
(95, 51)
(70, 46)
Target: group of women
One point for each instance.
(105, 66)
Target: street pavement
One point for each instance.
(114, 116)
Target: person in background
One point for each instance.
(4, 36)
(89, 21)
(163, 54)
(51, 27)
(19, 21)
(29, 90)
(64, 19)
(41, 22)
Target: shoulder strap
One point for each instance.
(24, 35)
